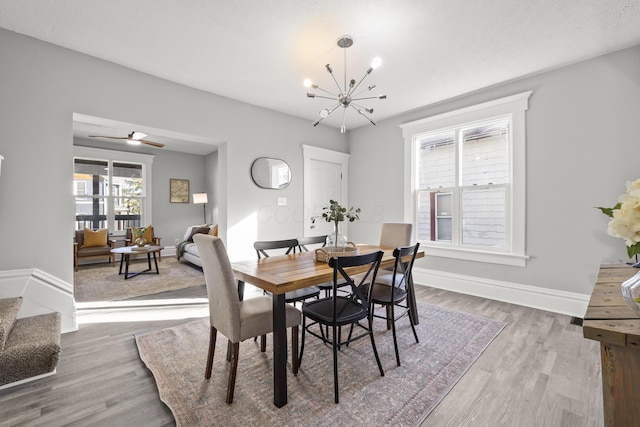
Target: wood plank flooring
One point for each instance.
(539, 371)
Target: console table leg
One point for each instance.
(620, 385)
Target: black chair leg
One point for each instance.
(393, 328)
(335, 366)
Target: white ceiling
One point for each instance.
(259, 51)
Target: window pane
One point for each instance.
(436, 160)
(443, 229)
(90, 177)
(484, 217)
(127, 190)
(91, 212)
(485, 154)
(424, 215)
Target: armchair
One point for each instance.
(90, 243)
(148, 235)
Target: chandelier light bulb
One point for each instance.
(376, 62)
(307, 83)
(324, 113)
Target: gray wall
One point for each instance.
(42, 85)
(582, 142)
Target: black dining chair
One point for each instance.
(334, 312)
(292, 297)
(391, 289)
(303, 242)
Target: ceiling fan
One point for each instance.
(134, 138)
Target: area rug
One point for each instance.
(450, 342)
(101, 282)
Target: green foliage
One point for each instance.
(336, 213)
(609, 211)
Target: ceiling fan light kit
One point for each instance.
(347, 93)
(134, 138)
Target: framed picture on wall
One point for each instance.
(179, 190)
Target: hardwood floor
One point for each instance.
(539, 371)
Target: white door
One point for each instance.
(325, 178)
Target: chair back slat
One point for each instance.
(262, 247)
(339, 264)
(311, 240)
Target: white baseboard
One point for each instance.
(42, 293)
(568, 303)
(27, 380)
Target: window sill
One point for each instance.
(514, 260)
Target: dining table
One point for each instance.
(283, 273)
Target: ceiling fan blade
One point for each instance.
(110, 137)
(155, 144)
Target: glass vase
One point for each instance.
(336, 239)
(631, 293)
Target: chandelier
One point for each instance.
(347, 93)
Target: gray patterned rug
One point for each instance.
(450, 342)
(101, 282)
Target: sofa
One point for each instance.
(186, 250)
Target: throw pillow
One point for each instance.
(214, 230)
(147, 235)
(198, 230)
(95, 238)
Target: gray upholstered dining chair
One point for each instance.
(237, 320)
(395, 234)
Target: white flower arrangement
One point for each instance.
(625, 218)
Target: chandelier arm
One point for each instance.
(367, 97)
(363, 114)
(361, 80)
(335, 97)
(326, 91)
(337, 84)
(332, 109)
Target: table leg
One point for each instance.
(121, 261)
(126, 268)
(279, 351)
(155, 260)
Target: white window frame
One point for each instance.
(112, 156)
(515, 106)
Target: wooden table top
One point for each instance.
(608, 318)
(284, 273)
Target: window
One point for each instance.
(467, 181)
(111, 189)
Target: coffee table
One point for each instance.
(125, 257)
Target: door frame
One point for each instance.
(309, 153)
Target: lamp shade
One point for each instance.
(199, 198)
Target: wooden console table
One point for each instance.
(610, 321)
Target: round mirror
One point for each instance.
(270, 173)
